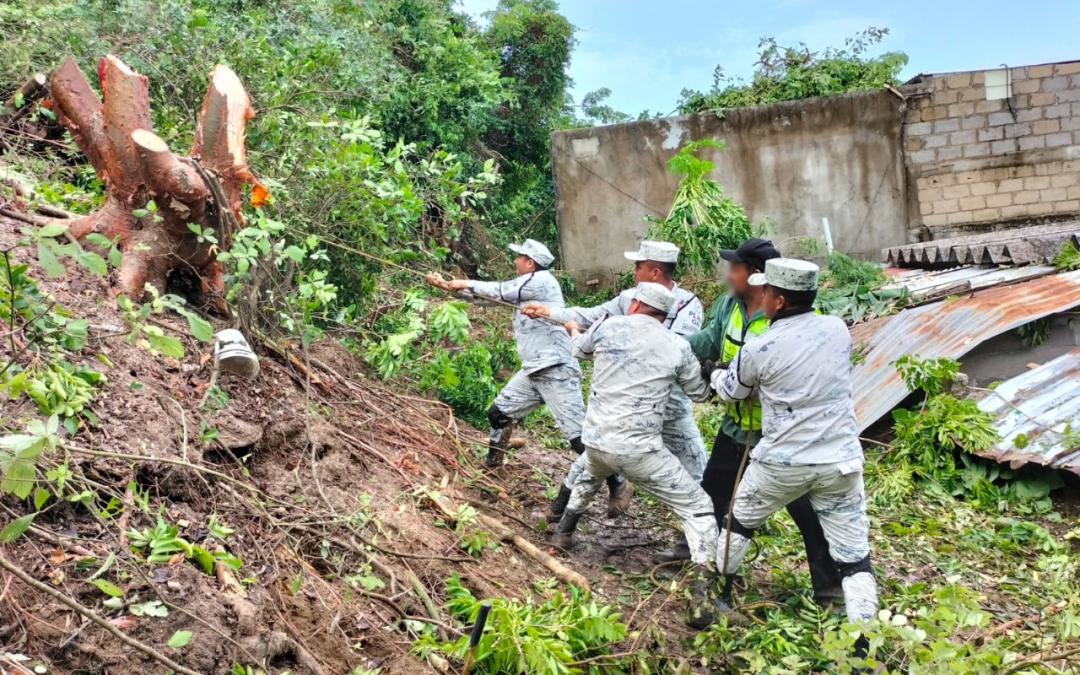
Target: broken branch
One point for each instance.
(562, 572)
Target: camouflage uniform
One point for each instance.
(549, 374)
(638, 362)
(801, 369)
(680, 431)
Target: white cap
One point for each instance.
(657, 251)
(535, 250)
(790, 274)
(655, 296)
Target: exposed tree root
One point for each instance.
(273, 644)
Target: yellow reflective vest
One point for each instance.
(747, 414)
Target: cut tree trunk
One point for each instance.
(116, 135)
(24, 97)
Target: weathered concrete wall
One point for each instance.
(976, 164)
(795, 163)
(1006, 356)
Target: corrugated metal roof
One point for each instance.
(1037, 407)
(923, 285)
(1017, 246)
(949, 328)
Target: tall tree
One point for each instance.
(533, 42)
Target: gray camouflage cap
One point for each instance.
(657, 251)
(655, 295)
(535, 250)
(790, 274)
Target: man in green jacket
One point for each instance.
(736, 318)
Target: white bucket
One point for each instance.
(234, 355)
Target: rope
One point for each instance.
(731, 503)
(423, 275)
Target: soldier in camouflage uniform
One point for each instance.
(654, 261)
(737, 317)
(637, 362)
(801, 369)
(549, 374)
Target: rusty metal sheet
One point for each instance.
(1035, 411)
(924, 285)
(1013, 246)
(949, 328)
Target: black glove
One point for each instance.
(708, 367)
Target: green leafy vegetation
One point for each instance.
(1068, 258)
(162, 543)
(702, 220)
(852, 290)
(794, 72)
(1036, 332)
(936, 444)
(546, 636)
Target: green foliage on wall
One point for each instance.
(794, 72)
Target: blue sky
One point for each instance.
(647, 52)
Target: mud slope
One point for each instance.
(341, 493)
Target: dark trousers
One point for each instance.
(719, 482)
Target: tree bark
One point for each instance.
(25, 96)
(116, 135)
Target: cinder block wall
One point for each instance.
(977, 164)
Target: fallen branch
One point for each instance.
(74, 605)
(57, 541)
(22, 101)
(562, 572)
(39, 222)
(425, 599)
(1021, 665)
(601, 657)
(1016, 623)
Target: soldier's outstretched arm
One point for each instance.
(586, 316)
(514, 291)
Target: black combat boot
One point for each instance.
(678, 552)
(621, 491)
(558, 505)
(564, 531)
(710, 599)
(497, 444)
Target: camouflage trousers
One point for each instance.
(663, 476)
(558, 387)
(681, 437)
(838, 496)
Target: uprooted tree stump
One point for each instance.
(204, 189)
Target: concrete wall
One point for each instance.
(977, 164)
(1006, 356)
(795, 163)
